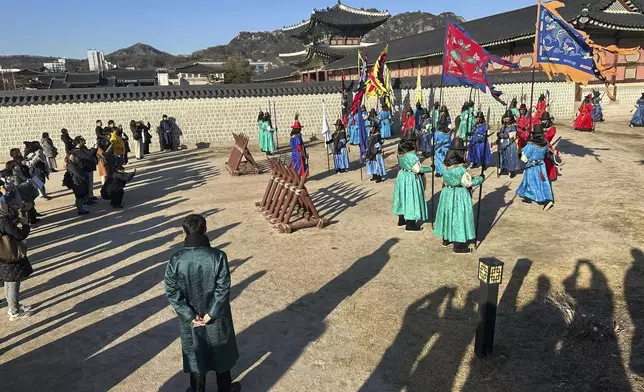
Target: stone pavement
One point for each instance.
(358, 305)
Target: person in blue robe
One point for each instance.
(442, 141)
(375, 162)
(384, 117)
(339, 144)
(299, 156)
(638, 117)
(354, 130)
(536, 186)
(597, 113)
(479, 152)
(509, 162)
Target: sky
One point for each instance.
(67, 28)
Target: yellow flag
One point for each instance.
(419, 91)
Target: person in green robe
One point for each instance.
(466, 125)
(455, 215)
(409, 192)
(197, 284)
(260, 132)
(269, 141)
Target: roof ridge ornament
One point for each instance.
(347, 8)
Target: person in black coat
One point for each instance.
(113, 189)
(76, 180)
(87, 160)
(68, 142)
(12, 273)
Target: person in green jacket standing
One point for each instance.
(455, 215)
(409, 192)
(260, 132)
(466, 125)
(197, 284)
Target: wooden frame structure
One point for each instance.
(240, 152)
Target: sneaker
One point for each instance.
(19, 315)
(23, 309)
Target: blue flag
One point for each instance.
(364, 137)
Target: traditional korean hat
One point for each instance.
(480, 115)
(458, 145)
(508, 114)
(545, 116)
(542, 97)
(406, 145)
(523, 106)
(339, 123)
(539, 128)
(538, 135)
(296, 124)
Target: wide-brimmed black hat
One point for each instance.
(458, 145)
(523, 106)
(339, 123)
(539, 128)
(406, 145)
(508, 114)
(545, 116)
(480, 115)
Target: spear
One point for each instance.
(277, 138)
(478, 212)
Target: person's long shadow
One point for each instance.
(567, 147)
(634, 294)
(285, 334)
(80, 362)
(491, 204)
(333, 200)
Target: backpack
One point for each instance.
(68, 182)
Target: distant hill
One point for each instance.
(263, 45)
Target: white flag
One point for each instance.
(325, 126)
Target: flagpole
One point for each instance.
(536, 39)
(483, 167)
(277, 138)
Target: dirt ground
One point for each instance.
(359, 305)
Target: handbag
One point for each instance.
(11, 250)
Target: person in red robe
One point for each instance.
(523, 127)
(409, 124)
(541, 108)
(584, 121)
(553, 153)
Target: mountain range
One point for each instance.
(263, 45)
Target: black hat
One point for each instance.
(539, 128)
(480, 115)
(406, 145)
(436, 104)
(508, 114)
(458, 145)
(339, 123)
(523, 106)
(545, 116)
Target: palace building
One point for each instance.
(509, 35)
(329, 34)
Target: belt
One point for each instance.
(533, 163)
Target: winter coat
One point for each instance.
(68, 142)
(118, 182)
(118, 144)
(21, 269)
(105, 163)
(48, 148)
(86, 159)
(197, 281)
(76, 180)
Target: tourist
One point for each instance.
(137, 135)
(165, 134)
(99, 130)
(147, 137)
(126, 142)
(176, 135)
(197, 284)
(107, 131)
(375, 163)
(455, 215)
(19, 178)
(508, 155)
(37, 163)
(113, 189)
(269, 142)
(51, 152)
(584, 120)
(86, 160)
(552, 158)
(479, 153)
(442, 140)
(260, 131)
(597, 113)
(14, 264)
(523, 127)
(638, 118)
(118, 146)
(339, 144)
(384, 118)
(535, 186)
(425, 142)
(106, 161)
(299, 156)
(75, 179)
(409, 191)
(68, 142)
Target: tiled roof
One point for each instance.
(82, 78)
(491, 30)
(339, 16)
(57, 83)
(106, 94)
(330, 53)
(129, 74)
(277, 73)
(199, 69)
